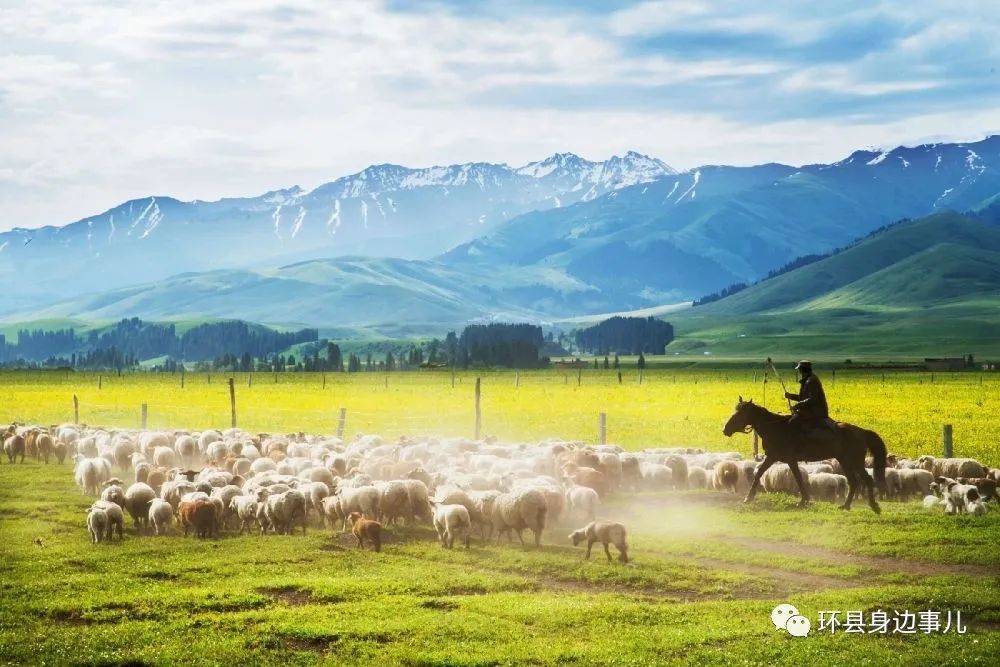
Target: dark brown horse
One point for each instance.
(785, 442)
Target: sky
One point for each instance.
(102, 102)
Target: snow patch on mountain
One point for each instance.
(299, 219)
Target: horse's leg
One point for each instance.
(870, 483)
(803, 488)
(761, 469)
(851, 472)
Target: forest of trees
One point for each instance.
(504, 345)
(626, 335)
(124, 344)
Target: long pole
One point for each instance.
(479, 414)
(232, 401)
(778, 375)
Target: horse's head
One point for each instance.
(740, 419)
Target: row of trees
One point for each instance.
(626, 335)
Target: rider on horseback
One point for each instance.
(810, 410)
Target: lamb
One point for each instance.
(726, 476)
(366, 529)
(957, 497)
(97, 523)
(520, 509)
(282, 509)
(605, 532)
(116, 519)
(953, 468)
(987, 487)
(161, 515)
(113, 493)
(582, 500)
(452, 521)
(199, 514)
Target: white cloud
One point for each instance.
(101, 102)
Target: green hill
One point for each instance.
(928, 286)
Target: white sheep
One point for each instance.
(697, 477)
(452, 521)
(827, 486)
(913, 482)
(520, 509)
(583, 501)
(605, 532)
(116, 519)
(97, 523)
(164, 457)
(137, 500)
(281, 511)
(365, 500)
(779, 479)
(245, 508)
(953, 467)
(91, 473)
(161, 515)
(726, 476)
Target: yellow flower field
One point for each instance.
(670, 407)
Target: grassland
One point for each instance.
(672, 406)
(707, 570)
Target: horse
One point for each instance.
(784, 442)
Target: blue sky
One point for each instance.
(101, 102)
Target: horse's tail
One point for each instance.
(879, 453)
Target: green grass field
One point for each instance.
(706, 571)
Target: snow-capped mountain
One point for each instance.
(384, 210)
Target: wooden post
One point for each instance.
(249, 380)
(387, 381)
(579, 376)
(479, 414)
(517, 379)
(946, 434)
(602, 428)
(640, 376)
(619, 377)
(209, 378)
(834, 377)
(341, 420)
(232, 401)
(76, 410)
(182, 379)
(143, 413)
(100, 381)
(324, 380)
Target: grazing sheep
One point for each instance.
(97, 523)
(779, 479)
(726, 476)
(913, 482)
(420, 504)
(116, 519)
(366, 529)
(282, 510)
(138, 498)
(605, 532)
(583, 501)
(245, 508)
(161, 515)
(394, 502)
(953, 468)
(200, 515)
(13, 447)
(452, 521)
(697, 477)
(45, 446)
(364, 500)
(113, 493)
(520, 509)
(59, 449)
(827, 486)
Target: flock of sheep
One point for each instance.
(210, 481)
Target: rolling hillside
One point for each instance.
(928, 284)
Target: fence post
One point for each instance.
(452, 377)
(249, 380)
(324, 380)
(182, 379)
(100, 381)
(143, 412)
(948, 445)
(232, 401)
(602, 428)
(579, 376)
(517, 379)
(209, 378)
(76, 410)
(640, 376)
(479, 414)
(341, 421)
(619, 377)
(386, 380)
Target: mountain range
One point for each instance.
(554, 239)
